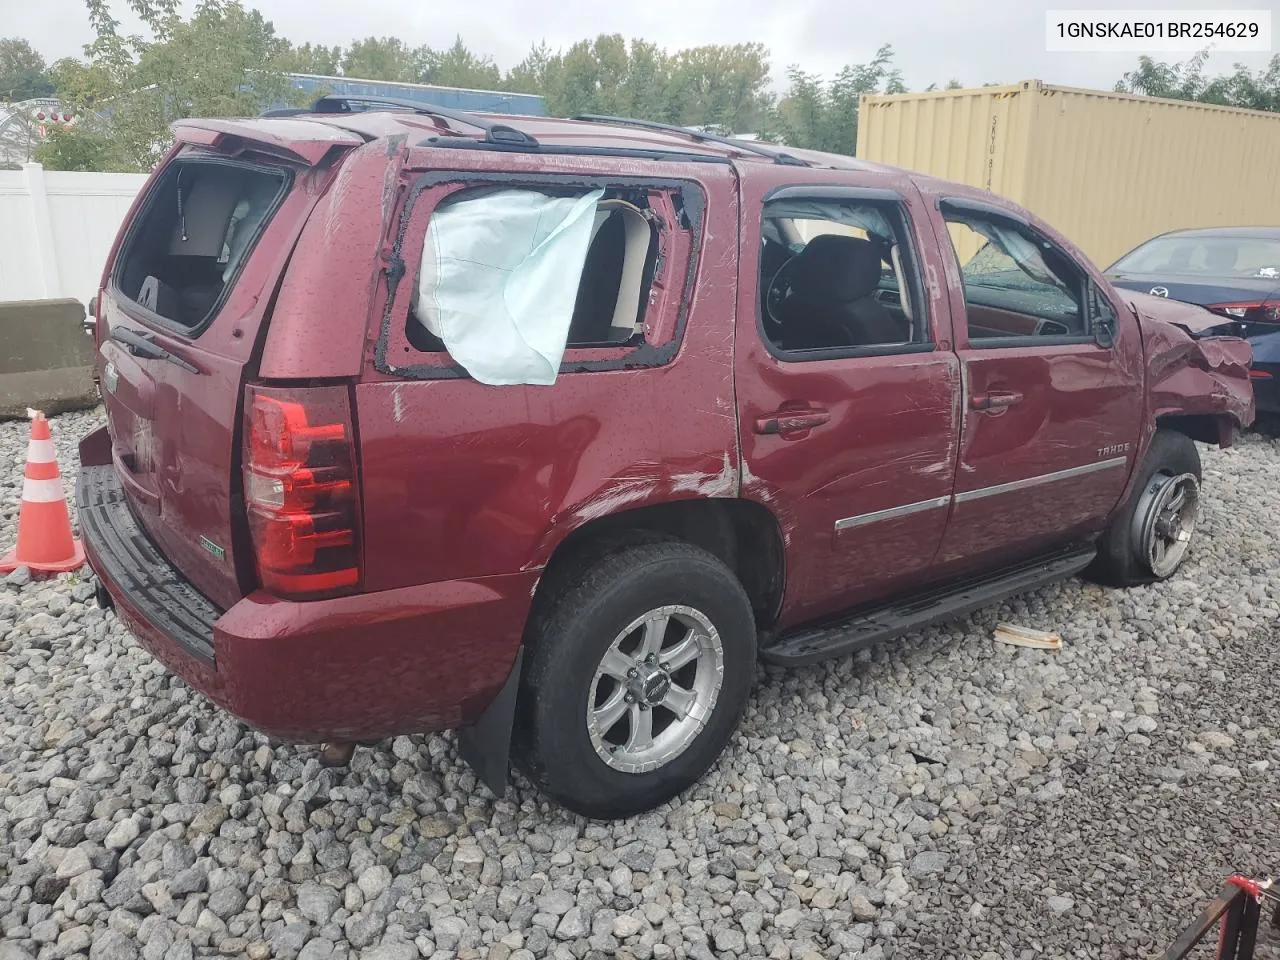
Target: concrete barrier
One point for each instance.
(46, 361)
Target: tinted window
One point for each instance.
(1211, 256)
(199, 226)
(836, 274)
(1016, 284)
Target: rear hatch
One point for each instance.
(180, 322)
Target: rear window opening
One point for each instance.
(199, 226)
(511, 278)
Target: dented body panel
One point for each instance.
(502, 475)
(1188, 375)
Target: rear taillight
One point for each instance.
(300, 490)
(1252, 311)
(1256, 374)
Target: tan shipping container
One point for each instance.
(1107, 169)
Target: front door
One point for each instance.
(1052, 408)
(848, 392)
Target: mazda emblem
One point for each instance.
(1160, 291)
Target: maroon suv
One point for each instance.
(545, 430)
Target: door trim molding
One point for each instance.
(1011, 486)
(908, 509)
(892, 513)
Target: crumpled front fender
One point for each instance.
(1189, 375)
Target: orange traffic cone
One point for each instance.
(44, 526)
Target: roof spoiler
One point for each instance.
(351, 103)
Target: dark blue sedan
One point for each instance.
(1234, 271)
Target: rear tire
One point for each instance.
(1145, 541)
(641, 659)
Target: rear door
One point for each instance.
(183, 302)
(1052, 409)
(848, 391)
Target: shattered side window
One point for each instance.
(511, 278)
(499, 277)
(1015, 283)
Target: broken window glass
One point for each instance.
(499, 280)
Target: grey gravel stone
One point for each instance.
(374, 881)
(227, 902)
(48, 888)
(928, 862)
(317, 949)
(730, 940)
(1059, 905)
(625, 926)
(122, 834)
(557, 902)
(317, 902)
(113, 945)
(74, 864)
(401, 951)
(571, 925)
(862, 909)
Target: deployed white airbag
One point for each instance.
(499, 277)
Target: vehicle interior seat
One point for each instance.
(608, 308)
(194, 267)
(832, 301)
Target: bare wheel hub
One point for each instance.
(1165, 520)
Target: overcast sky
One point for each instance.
(974, 41)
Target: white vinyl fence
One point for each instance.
(56, 229)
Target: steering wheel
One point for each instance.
(778, 289)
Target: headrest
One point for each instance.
(207, 201)
(837, 268)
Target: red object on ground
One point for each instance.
(44, 525)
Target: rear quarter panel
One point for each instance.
(461, 479)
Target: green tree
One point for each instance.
(23, 75)
(458, 67)
(725, 87)
(75, 148)
(823, 115)
(223, 61)
(531, 74)
(589, 78)
(382, 58)
(1241, 87)
(306, 58)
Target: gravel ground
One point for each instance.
(941, 796)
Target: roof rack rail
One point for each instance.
(342, 103)
(579, 150)
(777, 156)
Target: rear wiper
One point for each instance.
(141, 345)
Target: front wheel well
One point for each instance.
(1201, 427)
(742, 534)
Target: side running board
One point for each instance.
(810, 644)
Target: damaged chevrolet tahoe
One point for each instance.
(547, 430)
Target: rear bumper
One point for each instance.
(367, 666)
